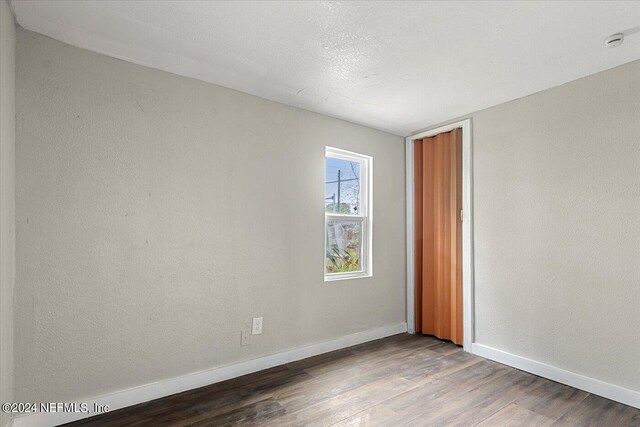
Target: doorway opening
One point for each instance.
(439, 233)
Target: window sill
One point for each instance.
(347, 276)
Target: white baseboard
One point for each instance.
(144, 393)
(591, 385)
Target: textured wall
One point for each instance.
(557, 226)
(157, 214)
(7, 200)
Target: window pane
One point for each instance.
(342, 186)
(344, 246)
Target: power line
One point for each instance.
(341, 180)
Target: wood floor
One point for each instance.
(404, 380)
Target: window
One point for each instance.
(347, 215)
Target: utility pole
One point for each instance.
(339, 179)
(333, 201)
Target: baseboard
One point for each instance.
(591, 385)
(144, 393)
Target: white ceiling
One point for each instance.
(396, 66)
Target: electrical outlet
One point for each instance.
(256, 326)
(244, 337)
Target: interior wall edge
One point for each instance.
(7, 204)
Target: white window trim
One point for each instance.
(366, 214)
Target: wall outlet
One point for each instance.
(256, 326)
(244, 337)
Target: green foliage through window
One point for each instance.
(344, 246)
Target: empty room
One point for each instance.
(319, 213)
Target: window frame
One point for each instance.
(364, 215)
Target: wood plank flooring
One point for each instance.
(404, 380)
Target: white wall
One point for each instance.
(557, 226)
(157, 214)
(7, 200)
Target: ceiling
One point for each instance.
(395, 66)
